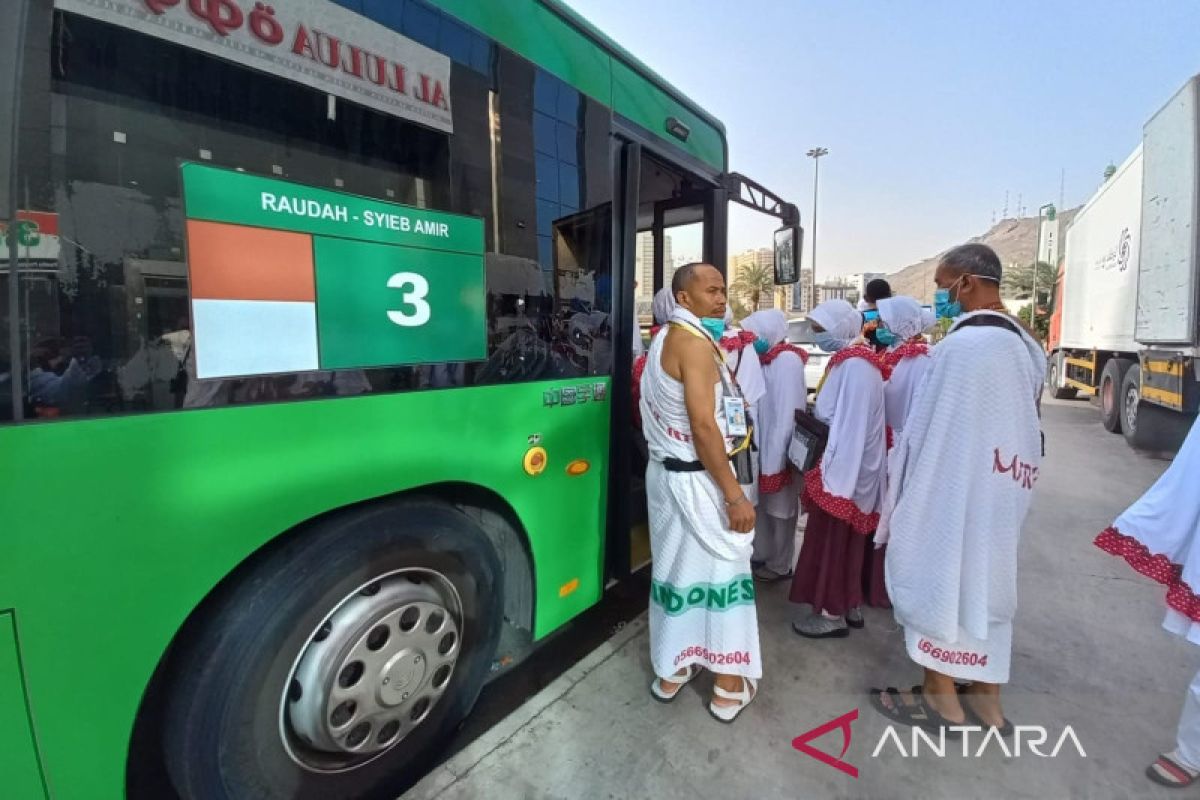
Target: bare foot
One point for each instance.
(671, 687)
(984, 702)
(945, 703)
(730, 683)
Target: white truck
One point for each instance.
(1124, 322)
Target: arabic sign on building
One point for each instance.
(313, 42)
(291, 278)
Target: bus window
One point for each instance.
(105, 298)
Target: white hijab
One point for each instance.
(769, 324)
(902, 316)
(839, 318)
(663, 305)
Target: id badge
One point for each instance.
(735, 416)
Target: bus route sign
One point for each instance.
(292, 278)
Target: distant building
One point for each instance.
(644, 264)
(801, 292)
(763, 257)
(836, 290)
(858, 283)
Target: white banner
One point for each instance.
(313, 42)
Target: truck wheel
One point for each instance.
(1110, 393)
(335, 663)
(1059, 391)
(1149, 427)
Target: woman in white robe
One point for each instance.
(779, 500)
(843, 493)
(902, 322)
(907, 359)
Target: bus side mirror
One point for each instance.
(788, 242)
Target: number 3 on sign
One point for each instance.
(415, 298)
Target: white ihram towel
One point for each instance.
(961, 480)
(702, 593)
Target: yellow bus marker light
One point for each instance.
(535, 460)
(578, 467)
(568, 587)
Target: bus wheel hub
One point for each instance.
(401, 675)
(373, 671)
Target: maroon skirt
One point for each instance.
(874, 587)
(829, 572)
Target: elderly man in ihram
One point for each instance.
(961, 477)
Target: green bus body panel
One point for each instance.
(544, 37)
(124, 524)
(20, 775)
(650, 106)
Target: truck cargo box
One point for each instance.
(1100, 286)
(1167, 285)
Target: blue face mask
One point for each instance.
(870, 314)
(761, 346)
(943, 306)
(885, 337)
(714, 325)
(827, 342)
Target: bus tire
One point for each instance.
(1059, 392)
(1148, 427)
(319, 671)
(1110, 393)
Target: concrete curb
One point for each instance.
(445, 776)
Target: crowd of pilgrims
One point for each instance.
(879, 352)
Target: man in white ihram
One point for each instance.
(702, 611)
(961, 478)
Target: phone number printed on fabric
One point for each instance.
(716, 659)
(947, 656)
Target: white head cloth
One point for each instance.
(902, 316)
(663, 305)
(769, 324)
(863, 305)
(928, 318)
(839, 318)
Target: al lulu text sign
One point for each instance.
(292, 278)
(313, 42)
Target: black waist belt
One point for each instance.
(679, 465)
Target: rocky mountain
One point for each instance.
(1014, 240)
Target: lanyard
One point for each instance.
(722, 367)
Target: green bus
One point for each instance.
(316, 329)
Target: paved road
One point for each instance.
(1088, 652)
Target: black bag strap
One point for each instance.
(989, 321)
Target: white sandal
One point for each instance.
(656, 689)
(728, 714)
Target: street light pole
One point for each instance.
(815, 154)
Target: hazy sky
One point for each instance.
(930, 109)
